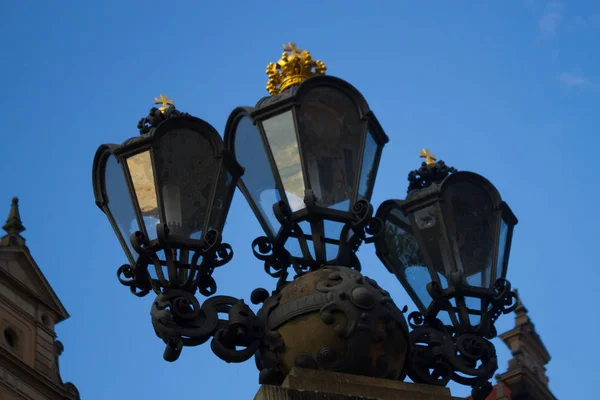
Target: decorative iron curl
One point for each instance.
(171, 273)
(504, 301)
(179, 320)
(277, 261)
(155, 117)
(364, 227)
(360, 227)
(138, 281)
(439, 354)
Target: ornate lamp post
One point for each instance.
(169, 190)
(448, 243)
(310, 152)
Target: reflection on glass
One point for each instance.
(258, 177)
(119, 205)
(331, 138)
(480, 279)
(367, 169)
(268, 197)
(142, 176)
(501, 249)
(405, 256)
(428, 224)
(188, 174)
(474, 221)
(281, 136)
(218, 212)
(418, 277)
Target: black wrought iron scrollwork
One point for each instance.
(439, 355)
(504, 301)
(177, 270)
(277, 260)
(178, 317)
(156, 116)
(461, 353)
(361, 227)
(428, 174)
(179, 320)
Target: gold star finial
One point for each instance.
(428, 156)
(164, 101)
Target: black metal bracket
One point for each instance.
(179, 320)
(362, 227)
(177, 316)
(440, 353)
(181, 272)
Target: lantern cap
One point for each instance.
(431, 171)
(157, 115)
(294, 67)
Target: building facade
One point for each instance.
(29, 310)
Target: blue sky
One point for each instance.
(507, 89)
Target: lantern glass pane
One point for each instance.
(331, 136)
(474, 229)
(368, 169)
(258, 177)
(427, 220)
(405, 258)
(221, 201)
(281, 135)
(501, 249)
(187, 173)
(142, 177)
(120, 205)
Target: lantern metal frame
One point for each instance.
(177, 316)
(359, 224)
(462, 351)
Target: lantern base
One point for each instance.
(307, 384)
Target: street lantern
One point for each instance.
(311, 152)
(448, 243)
(169, 190)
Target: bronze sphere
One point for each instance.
(333, 319)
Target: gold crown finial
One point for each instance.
(294, 67)
(428, 156)
(164, 101)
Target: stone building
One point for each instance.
(29, 309)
